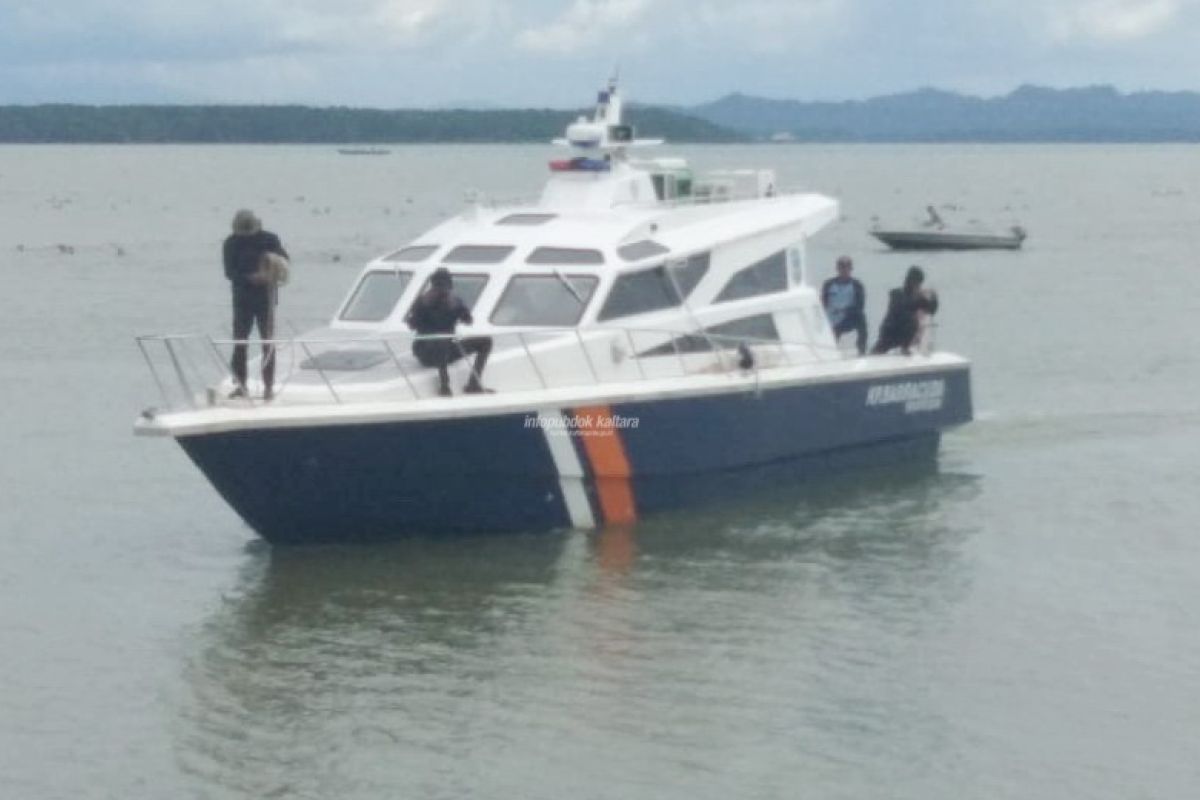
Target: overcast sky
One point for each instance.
(437, 53)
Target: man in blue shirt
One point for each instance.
(845, 299)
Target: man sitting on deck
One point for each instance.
(437, 313)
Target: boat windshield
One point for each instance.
(376, 295)
(555, 300)
(468, 287)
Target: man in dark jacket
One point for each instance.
(254, 295)
(901, 324)
(437, 313)
(845, 299)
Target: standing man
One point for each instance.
(436, 314)
(845, 299)
(246, 254)
(906, 305)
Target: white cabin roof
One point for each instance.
(680, 229)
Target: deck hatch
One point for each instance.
(526, 219)
(478, 254)
(636, 251)
(564, 256)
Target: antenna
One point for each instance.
(605, 134)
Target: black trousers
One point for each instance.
(853, 321)
(253, 305)
(898, 333)
(441, 353)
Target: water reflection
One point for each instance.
(363, 672)
(327, 655)
(914, 514)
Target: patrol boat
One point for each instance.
(657, 345)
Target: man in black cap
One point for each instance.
(254, 294)
(436, 313)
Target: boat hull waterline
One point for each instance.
(927, 240)
(580, 466)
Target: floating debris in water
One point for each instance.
(66, 249)
(20, 248)
(337, 258)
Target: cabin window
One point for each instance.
(376, 296)
(557, 300)
(690, 271)
(672, 186)
(620, 133)
(725, 336)
(526, 219)
(636, 251)
(640, 293)
(478, 254)
(468, 287)
(765, 277)
(418, 252)
(760, 327)
(564, 256)
(660, 185)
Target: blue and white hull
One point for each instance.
(492, 464)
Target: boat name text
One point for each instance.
(914, 395)
(584, 425)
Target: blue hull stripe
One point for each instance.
(499, 473)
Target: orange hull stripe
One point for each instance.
(610, 465)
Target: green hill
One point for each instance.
(79, 124)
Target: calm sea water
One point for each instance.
(1020, 622)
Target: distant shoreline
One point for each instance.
(77, 124)
(1028, 115)
(333, 146)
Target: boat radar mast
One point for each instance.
(604, 135)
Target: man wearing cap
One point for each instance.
(254, 294)
(844, 299)
(436, 314)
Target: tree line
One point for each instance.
(225, 124)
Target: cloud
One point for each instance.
(585, 24)
(1109, 20)
(115, 30)
(363, 23)
(389, 52)
(767, 25)
(745, 25)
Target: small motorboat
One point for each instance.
(363, 151)
(934, 234)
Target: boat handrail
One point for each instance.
(687, 201)
(191, 371)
